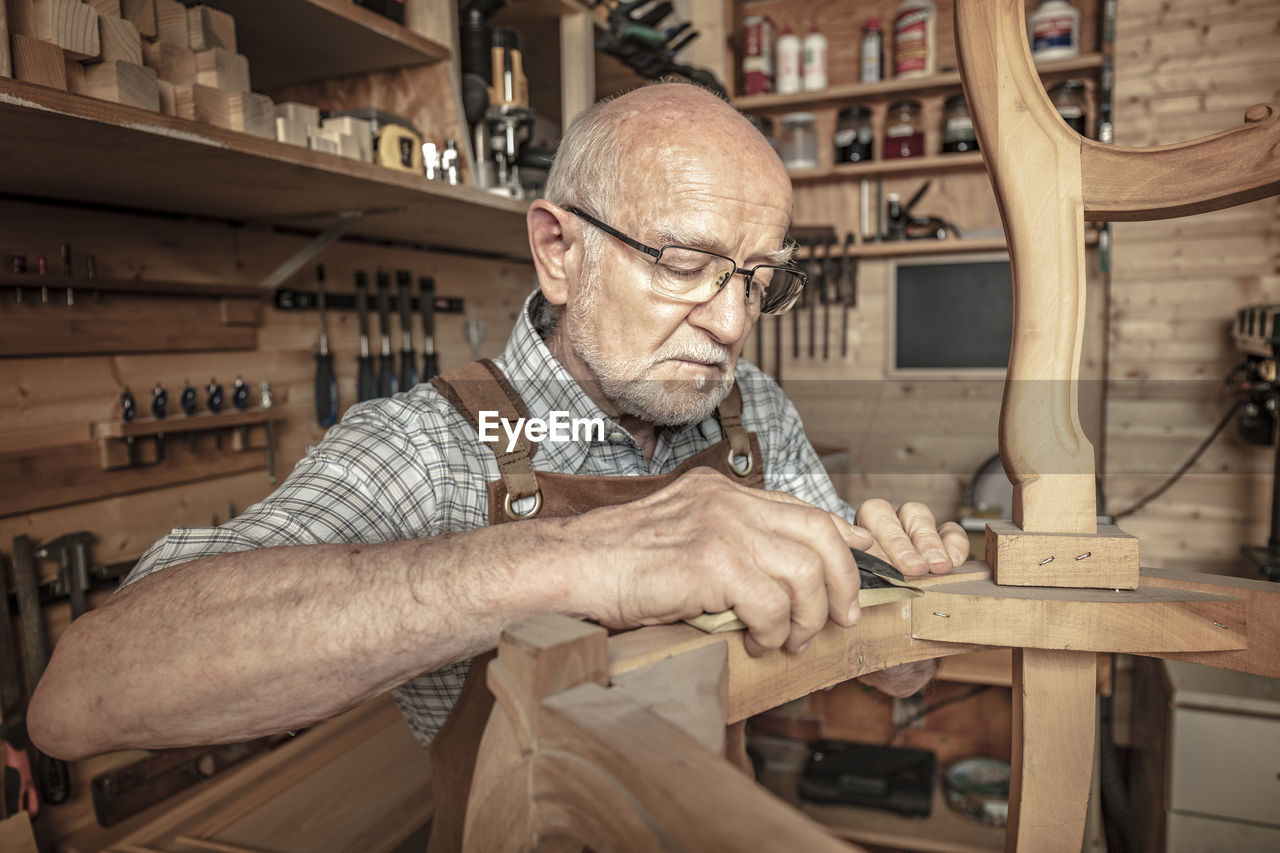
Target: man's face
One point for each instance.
(662, 360)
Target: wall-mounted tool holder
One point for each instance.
(134, 444)
(307, 300)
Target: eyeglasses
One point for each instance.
(696, 275)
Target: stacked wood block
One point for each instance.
(155, 54)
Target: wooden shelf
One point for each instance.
(994, 667)
(886, 89)
(875, 168)
(63, 146)
(117, 429)
(340, 39)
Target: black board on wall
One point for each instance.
(953, 315)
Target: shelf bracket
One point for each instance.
(347, 220)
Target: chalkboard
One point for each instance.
(953, 315)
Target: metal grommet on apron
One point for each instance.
(520, 516)
(481, 386)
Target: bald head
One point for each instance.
(658, 126)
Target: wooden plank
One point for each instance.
(119, 39)
(577, 65)
(38, 62)
(994, 667)
(105, 7)
(69, 24)
(41, 481)
(1145, 620)
(117, 325)
(124, 83)
(1053, 732)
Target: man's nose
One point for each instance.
(725, 316)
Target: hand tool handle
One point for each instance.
(426, 305)
(326, 390)
(408, 361)
(386, 375)
(366, 379)
(387, 362)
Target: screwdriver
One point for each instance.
(387, 364)
(128, 408)
(187, 400)
(159, 399)
(408, 369)
(427, 305)
(326, 381)
(366, 382)
(214, 403)
(240, 399)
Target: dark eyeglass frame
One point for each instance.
(656, 254)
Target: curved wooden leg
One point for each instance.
(1054, 700)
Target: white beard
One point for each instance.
(626, 382)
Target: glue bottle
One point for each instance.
(815, 60)
(788, 53)
(915, 43)
(1053, 30)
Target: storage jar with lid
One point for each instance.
(798, 141)
(853, 135)
(903, 131)
(1068, 98)
(957, 127)
(1053, 30)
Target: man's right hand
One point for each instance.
(706, 544)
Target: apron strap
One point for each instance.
(730, 415)
(481, 387)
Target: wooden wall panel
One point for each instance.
(1186, 68)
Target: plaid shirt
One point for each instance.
(410, 466)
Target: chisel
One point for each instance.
(795, 313)
(815, 297)
(366, 382)
(828, 282)
(408, 365)
(426, 304)
(387, 364)
(326, 381)
(848, 292)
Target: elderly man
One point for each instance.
(381, 563)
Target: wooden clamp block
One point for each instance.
(69, 24)
(124, 83)
(208, 28)
(119, 39)
(142, 14)
(222, 69)
(171, 23)
(38, 62)
(1105, 560)
(172, 62)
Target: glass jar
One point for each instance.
(853, 135)
(957, 127)
(903, 131)
(798, 141)
(1068, 98)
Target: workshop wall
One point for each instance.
(1184, 70)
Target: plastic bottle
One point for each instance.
(815, 60)
(787, 52)
(915, 43)
(872, 68)
(1053, 30)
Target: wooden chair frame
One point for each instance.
(615, 743)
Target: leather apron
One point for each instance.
(481, 386)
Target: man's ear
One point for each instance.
(557, 253)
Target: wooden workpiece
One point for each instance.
(105, 7)
(38, 62)
(172, 62)
(119, 40)
(244, 111)
(208, 27)
(1106, 560)
(222, 69)
(171, 22)
(69, 24)
(142, 14)
(124, 83)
